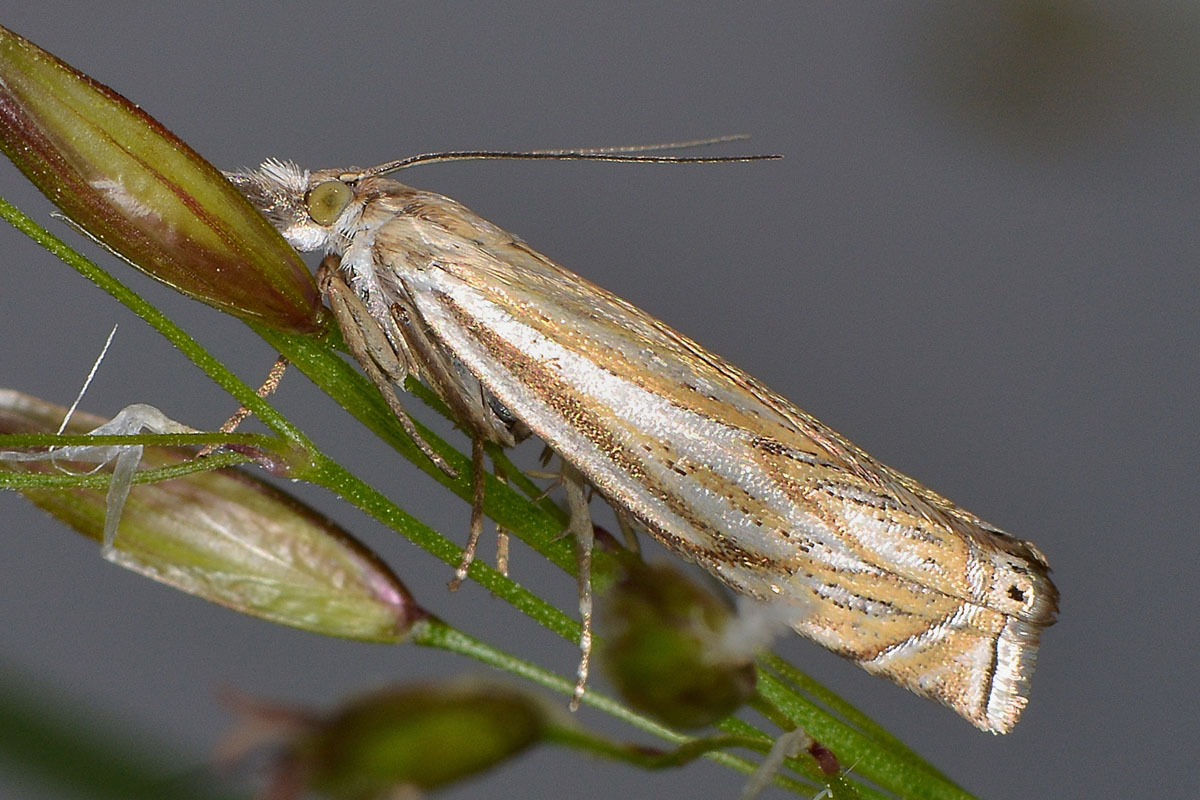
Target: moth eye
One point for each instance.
(326, 201)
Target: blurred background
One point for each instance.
(977, 261)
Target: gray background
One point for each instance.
(978, 260)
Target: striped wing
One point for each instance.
(863, 559)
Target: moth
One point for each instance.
(860, 558)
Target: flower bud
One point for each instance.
(663, 648)
(144, 194)
(224, 536)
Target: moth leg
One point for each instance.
(502, 537)
(476, 528)
(555, 479)
(372, 350)
(462, 393)
(580, 526)
(627, 531)
(274, 376)
(468, 402)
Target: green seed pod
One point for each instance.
(662, 648)
(415, 737)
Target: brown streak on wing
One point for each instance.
(559, 398)
(613, 331)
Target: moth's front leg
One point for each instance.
(470, 408)
(463, 394)
(372, 350)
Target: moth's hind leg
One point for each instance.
(580, 528)
(476, 528)
(625, 524)
(372, 350)
(502, 538)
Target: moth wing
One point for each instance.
(726, 472)
(524, 304)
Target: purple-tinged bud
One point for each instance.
(144, 194)
(225, 536)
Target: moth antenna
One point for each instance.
(620, 153)
(643, 148)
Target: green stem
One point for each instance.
(802, 765)
(838, 706)
(337, 479)
(648, 758)
(101, 480)
(11, 440)
(159, 321)
(905, 776)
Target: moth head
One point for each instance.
(308, 208)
